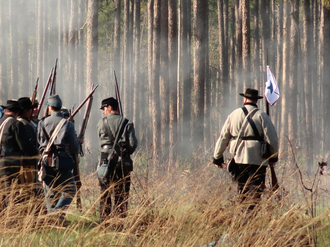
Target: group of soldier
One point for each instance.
(51, 146)
(46, 151)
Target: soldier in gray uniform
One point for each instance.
(120, 163)
(14, 142)
(59, 184)
(250, 170)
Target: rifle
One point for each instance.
(76, 172)
(85, 120)
(53, 86)
(82, 103)
(34, 95)
(117, 95)
(44, 92)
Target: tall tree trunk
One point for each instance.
(116, 39)
(137, 99)
(232, 57)
(200, 27)
(127, 63)
(293, 66)
(64, 65)
(27, 81)
(60, 24)
(80, 51)
(156, 125)
(150, 68)
(207, 87)
(307, 78)
(238, 60)
(91, 56)
(3, 52)
(73, 25)
(173, 71)
(285, 78)
(13, 15)
(224, 54)
(164, 81)
(222, 48)
(279, 55)
(246, 41)
(185, 75)
(256, 55)
(325, 59)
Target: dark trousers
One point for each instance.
(59, 188)
(119, 188)
(251, 181)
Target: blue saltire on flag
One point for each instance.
(272, 92)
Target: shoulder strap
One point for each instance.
(120, 129)
(123, 123)
(2, 127)
(44, 130)
(243, 127)
(54, 134)
(249, 119)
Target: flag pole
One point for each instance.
(275, 185)
(267, 104)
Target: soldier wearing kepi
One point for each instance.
(29, 164)
(14, 142)
(248, 127)
(59, 184)
(115, 128)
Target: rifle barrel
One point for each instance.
(45, 91)
(117, 95)
(34, 95)
(82, 103)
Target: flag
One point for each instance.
(272, 92)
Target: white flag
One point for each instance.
(271, 89)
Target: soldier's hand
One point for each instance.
(223, 165)
(81, 140)
(218, 162)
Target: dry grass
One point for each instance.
(180, 208)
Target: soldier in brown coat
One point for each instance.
(250, 168)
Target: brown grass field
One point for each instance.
(181, 207)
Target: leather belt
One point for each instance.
(249, 138)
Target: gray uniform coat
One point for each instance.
(128, 138)
(248, 151)
(65, 137)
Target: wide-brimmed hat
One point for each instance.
(251, 94)
(109, 101)
(25, 103)
(55, 101)
(11, 105)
